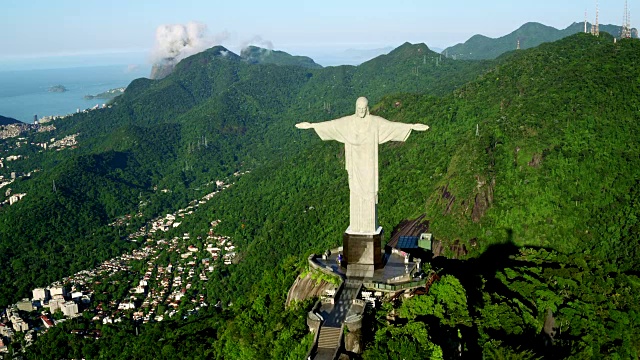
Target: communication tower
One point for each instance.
(595, 28)
(585, 21)
(626, 23)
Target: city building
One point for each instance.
(55, 305)
(58, 290)
(46, 321)
(76, 295)
(19, 325)
(70, 309)
(25, 305)
(41, 294)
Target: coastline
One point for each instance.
(25, 94)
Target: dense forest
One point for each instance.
(531, 163)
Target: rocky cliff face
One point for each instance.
(307, 288)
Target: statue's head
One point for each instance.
(362, 107)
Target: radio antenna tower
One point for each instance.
(585, 21)
(597, 21)
(595, 28)
(626, 23)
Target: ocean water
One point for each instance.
(25, 93)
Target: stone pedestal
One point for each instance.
(362, 253)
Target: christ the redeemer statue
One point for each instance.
(361, 133)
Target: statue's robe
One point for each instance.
(361, 137)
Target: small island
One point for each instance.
(109, 94)
(58, 89)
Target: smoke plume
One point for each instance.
(253, 55)
(258, 41)
(178, 41)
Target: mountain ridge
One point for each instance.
(258, 55)
(531, 34)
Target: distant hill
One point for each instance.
(109, 94)
(257, 55)
(7, 120)
(530, 35)
(250, 54)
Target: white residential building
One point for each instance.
(58, 290)
(15, 198)
(19, 324)
(25, 305)
(70, 309)
(126, 306)
(40, 294)
(55, 305)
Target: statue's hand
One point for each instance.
(420, 127)
(304, 125)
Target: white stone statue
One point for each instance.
(361, 133)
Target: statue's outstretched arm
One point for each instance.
(419, 127)
(327, 130)
(304, 125)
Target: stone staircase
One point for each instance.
(330, 332)
(329, 337)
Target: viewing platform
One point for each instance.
(395, 267)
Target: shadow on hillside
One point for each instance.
(478, 276)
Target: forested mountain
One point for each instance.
(531, 163)
(257, 55)
(531, 167)
(7, 120)
(529, 35)
(154, 135)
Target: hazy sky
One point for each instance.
(36, 29)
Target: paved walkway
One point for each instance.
(324, 354)
(334, 315)
(340, 309)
